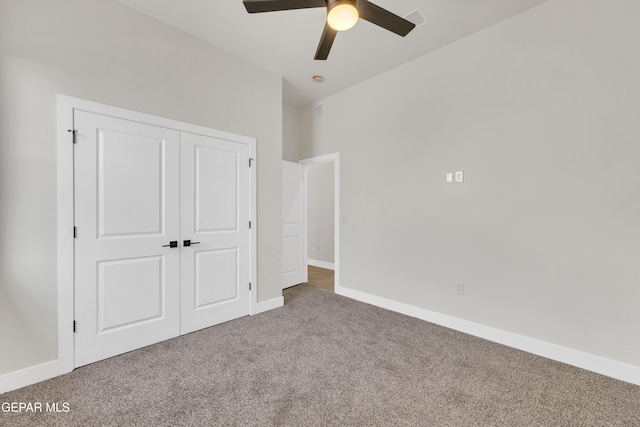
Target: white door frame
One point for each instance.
(66, 106)
(335, 158)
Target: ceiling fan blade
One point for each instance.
(326, 41)
(383, 18)
(256, 6)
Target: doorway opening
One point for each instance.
(322, 221)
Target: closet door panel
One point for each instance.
(215, 203)
(127, 283)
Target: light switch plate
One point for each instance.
(459, 176)
(449, 177)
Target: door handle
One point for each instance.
(172, 244)
(189, 243)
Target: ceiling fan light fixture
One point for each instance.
(342, 15)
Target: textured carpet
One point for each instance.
(323, 359)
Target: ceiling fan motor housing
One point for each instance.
(332, 3)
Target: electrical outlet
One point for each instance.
(459, 288)
(460, 176)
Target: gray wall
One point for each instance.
(320, 207)
(290, 133)
(103, 51)
(541, 112)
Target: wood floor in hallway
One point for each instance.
(321, 277)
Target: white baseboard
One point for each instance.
(28, 376)
(590, 362)
(267, 305)
(321, 264)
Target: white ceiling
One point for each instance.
(285, 42)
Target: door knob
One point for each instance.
(189, 243)
(172, 244)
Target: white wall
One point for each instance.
(103, 51)
(541, 112)
(320, 211)
(290, 133)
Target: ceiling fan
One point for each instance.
(341, 15)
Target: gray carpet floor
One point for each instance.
(326, 360)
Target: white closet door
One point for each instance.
(215, 181)
(126, 211)
(293, 271)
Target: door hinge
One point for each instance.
(249, 224)
(74, 326)
(249, 285)
(73, 132)
(250, 161)
(75, 232)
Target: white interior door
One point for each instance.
(293, 267)
(126, 212)
(215, 220)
